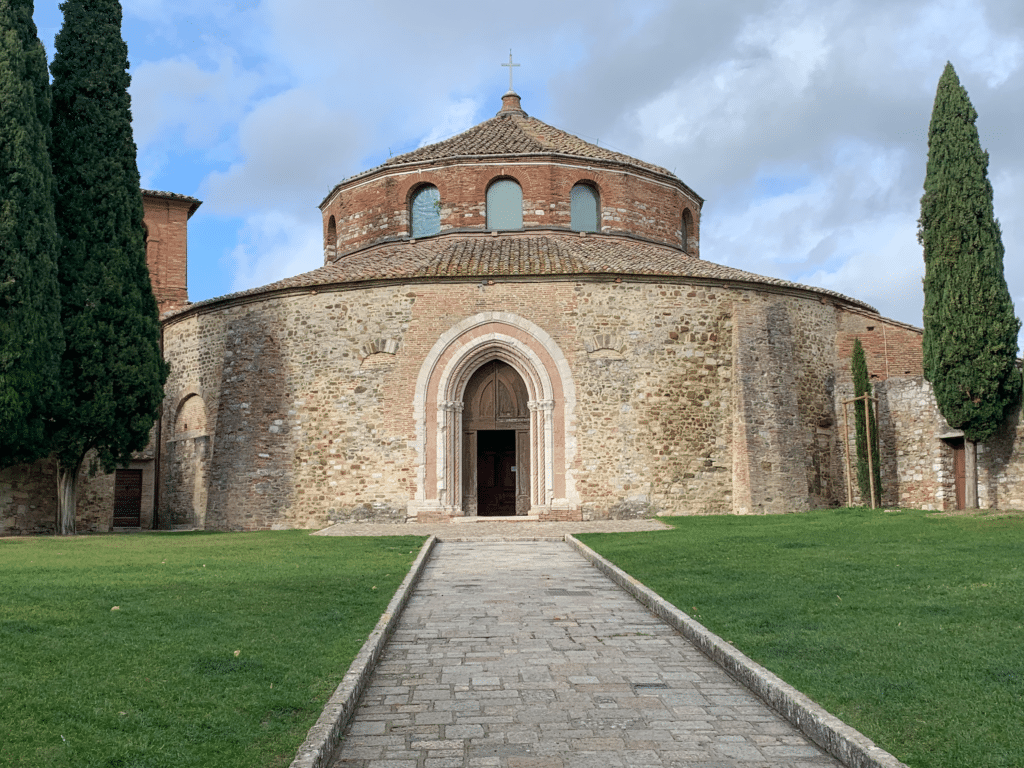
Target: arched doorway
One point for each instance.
(496, 442)
(542, 381)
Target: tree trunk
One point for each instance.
(67, 498)
(970, 474)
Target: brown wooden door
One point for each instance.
(496, 423)
(959, 471)
(496, 472)
(127, 498)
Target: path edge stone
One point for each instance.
(845, 743)
(325, 736)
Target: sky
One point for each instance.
(802, 124)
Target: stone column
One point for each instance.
(541, 471)
(449, 456)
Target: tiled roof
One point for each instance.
(515, 133)
(520, 255)
(196, 202)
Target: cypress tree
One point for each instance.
(970, 330)
(30, 334)
(112, 371)
(864, 415)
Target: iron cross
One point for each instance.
(510, 65)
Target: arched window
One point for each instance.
(585, 210)
(687, 230)
(504, 205)
(425, 212)
(331, 243)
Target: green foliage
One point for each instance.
(30, 333)
(112, 370)
(865, 416)
(905, 624)
(157, 682)
(970, 330)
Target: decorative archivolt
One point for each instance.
(438, 406)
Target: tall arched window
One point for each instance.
(504, 205)
(687, 230)
(425, 212)
(584, 208)
(331, 243)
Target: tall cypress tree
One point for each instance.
(970, 330)
(864, 415)
(30, 334)
(112, 371)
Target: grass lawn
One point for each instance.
(908, 625)
(222, 650)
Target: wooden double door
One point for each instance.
(496, 443)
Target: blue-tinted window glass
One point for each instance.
(504, 205)
(426, 212)
(583, 206)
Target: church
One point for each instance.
(513, 323)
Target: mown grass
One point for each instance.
(222, 651)
(905, 624)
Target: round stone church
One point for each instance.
(511, 322)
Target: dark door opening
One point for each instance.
(496, 472)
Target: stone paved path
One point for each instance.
(482, 528)
(520, 654)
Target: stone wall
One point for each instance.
(917, 453)
(28, 498)
(308, 398)
(784, 430)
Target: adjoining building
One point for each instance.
(515, 322)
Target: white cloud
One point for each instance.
(294, 148)
(178, 97)
(273, 246)
(456, 117)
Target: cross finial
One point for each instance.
(510, 65)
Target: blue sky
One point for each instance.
(803, 124)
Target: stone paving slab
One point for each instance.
(506, 529)
(514, 654)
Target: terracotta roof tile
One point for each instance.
(520, 254)
(515, 134)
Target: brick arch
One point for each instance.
(438, 404)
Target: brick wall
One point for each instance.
(166, 219)
(376, 208)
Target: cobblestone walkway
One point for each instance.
(521, 655)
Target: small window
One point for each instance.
(425, 212)
(584, 208)
(331, 243)
(687, 231)
(504, 205)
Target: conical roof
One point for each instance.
(513, 132)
